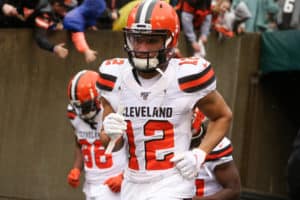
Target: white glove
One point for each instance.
(189, 162)
(114, 125)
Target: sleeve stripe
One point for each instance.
(219, 154)
(195, 82)
(199, 87)
(71, 115)
(106, 82)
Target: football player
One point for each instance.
(103, 172)
(218, 177)
(158, 94)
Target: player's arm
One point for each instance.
(78, 161)
(228, 176)
(104, 137)
(218, 112)
(74, 174)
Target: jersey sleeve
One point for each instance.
(109, 82)
(196, 77)
(221, 154)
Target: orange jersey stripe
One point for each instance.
(203, 79)
(107, 83)
(199, 187)
(227, 151)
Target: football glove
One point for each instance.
(114, 125)
(189, 162)
(73, 177)
(114, 183)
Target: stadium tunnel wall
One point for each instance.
(36, 139)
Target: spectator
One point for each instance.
(79, 19)
(289, 14)
(103, 172)
(228, 21)
(196, 18)
(15, 12)
(108, 18)
(293, 178)
(48, 17)
(43, 17)
(263, 13)
(120, 23)
(218, 177)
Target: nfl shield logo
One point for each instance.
(145, 95)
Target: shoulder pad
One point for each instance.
(71, 114)
(194, 74)
(109, 72)
(223, 149)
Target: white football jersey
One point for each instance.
(158, 117)
(206, 183)
(97, 166)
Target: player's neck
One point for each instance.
(149, 75)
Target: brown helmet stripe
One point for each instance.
(145, 11)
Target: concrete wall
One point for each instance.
(36, 141)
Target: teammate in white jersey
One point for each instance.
(158, 95)
(103, 172)
(218, 177)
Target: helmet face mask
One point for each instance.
(147, 50)
(154, 24)
(87, 109)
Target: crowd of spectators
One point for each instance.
(199, 18)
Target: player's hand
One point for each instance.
(189, 162)
(90, 55)
(114, 183)
(73, 177)
(60, 50)
(114, 125)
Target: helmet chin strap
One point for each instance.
(143, 63)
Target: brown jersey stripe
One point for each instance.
(215, 155)
(196, 82)
(106, 82)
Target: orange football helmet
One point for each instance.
(153, 20)
(84, 95)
